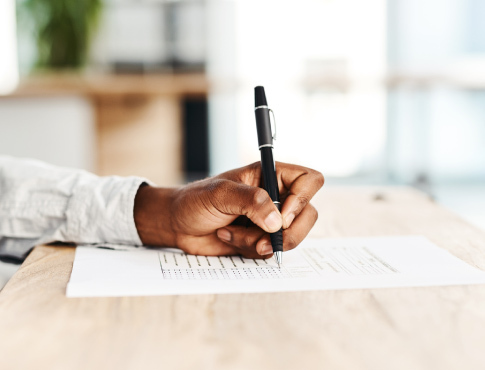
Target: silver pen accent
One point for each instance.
(279, 258)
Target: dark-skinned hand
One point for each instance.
(229, 214)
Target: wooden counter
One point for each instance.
(98, 85)
(139, 118)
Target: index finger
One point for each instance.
(302, 184)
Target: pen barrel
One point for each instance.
(263, 125)
(270, 183)
(277, 241)
(277, 237)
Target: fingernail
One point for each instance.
(288, 220)
(224, 235)
(266, 249)
(273, 221)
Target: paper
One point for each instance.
(317, 264)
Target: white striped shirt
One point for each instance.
(41, 203)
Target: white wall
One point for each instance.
(436, 129)
(59, 130)
(221, 64)
(286, 46)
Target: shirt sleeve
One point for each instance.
(41, 203)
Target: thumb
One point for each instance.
(234, 198)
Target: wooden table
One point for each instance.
(400, 328)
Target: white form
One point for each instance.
(317, 264)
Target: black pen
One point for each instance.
(270, 183)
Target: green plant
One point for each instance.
(63, 30)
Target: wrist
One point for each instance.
(152, 213)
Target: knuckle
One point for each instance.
(247, 173)
(319, 179)
(304, 199)
(290, 242)
(256, 197)
(247, 240)
(314, 213)
(260, 196)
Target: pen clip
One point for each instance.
(274, 123)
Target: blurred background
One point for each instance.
(368, 92)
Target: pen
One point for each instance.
(265, 141)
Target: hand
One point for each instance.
(229, 214)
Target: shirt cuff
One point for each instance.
(128, 223)
(102, 212)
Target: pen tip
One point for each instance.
(279, 258)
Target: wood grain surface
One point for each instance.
(399, 328)
(134, 135)
(107, 84)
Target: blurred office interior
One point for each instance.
(368, 92)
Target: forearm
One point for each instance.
(45, 203)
